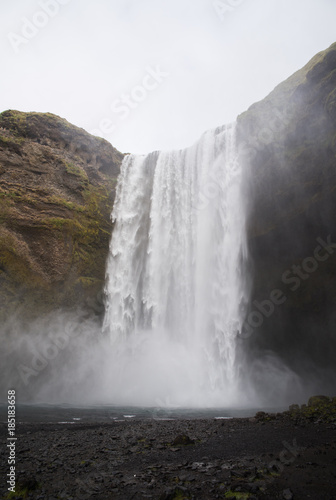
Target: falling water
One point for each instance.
(175, 282)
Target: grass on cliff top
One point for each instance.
(279, 97)
(19, 121)
(33, 125)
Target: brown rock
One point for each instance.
(57, 186)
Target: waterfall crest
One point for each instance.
(175, 290)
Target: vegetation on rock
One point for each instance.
(319, 409)
(57, 185)
(57, 189)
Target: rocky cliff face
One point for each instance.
(288, 145)
(56, 194)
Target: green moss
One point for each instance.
(89, 231)
(75, 215)
(321, 412)
(75, 170)
(87, 281)
(180, 495)
(237, 495)
(13, 144)
(16, 121)
(11, 195)
(18, 493)
(324, 412)
(56, 200)
(59, 223)
(6, 206)
(11, 259)
(34, 199)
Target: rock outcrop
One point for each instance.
(288, 143)
(56, 194)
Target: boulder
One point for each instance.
(318, 400)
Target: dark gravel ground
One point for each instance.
(262, 457)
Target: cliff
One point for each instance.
(57, 190)
(288, 146)
(56, 194)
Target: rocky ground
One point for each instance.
(279, 456)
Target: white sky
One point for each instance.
(86, 57)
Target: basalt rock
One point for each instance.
(288, 146)
(318, 400)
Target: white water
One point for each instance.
(175, 286)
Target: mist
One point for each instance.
(64, 358)
(133, 357)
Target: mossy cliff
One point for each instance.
(288, 145)
(56, 194)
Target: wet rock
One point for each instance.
(287, 494)
(214, 467)
(182, 439)
(260, 415)
(253, 488)
(318, 400)
(294, 408)
(177, 492)
(29, 484)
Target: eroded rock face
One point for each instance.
(56, 194)
(288, 143)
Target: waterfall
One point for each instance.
(175, 290)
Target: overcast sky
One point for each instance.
(154, 74)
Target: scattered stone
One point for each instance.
(318, 400)
(176, 493)
(214, 467)
(254, 488)
(287, 494)
(294, 408)
(182, 439)
(29, 484)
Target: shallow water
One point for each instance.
(49, 413)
